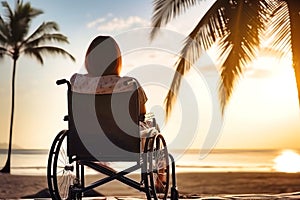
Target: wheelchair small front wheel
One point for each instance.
(159, 170)
(61, 174)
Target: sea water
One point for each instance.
(34, 161)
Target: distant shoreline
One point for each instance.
(34, 161)
(25, 151)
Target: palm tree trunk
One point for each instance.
(6, 168)
(294, 9)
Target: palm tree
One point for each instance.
(14, 41)
(237, 26)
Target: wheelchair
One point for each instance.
(105, 128)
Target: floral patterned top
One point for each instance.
(108, 84)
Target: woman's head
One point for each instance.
(103, 57)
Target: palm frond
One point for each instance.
(244, 25)
(165, 10)
(25, 10)
(19, 20)
(35, 53)
(3, 51)
(173, 91)
(49, 50)
(4, 31)
(3, 39)
(54, 37)
(203, 36)
(7, 9)
(279, 29)
(237, 25)
(42, 29)
(293, 7)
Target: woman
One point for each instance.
(103, 63)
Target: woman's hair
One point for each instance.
(103, 57)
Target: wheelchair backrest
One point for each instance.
(104, 127)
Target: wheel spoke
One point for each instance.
(60, 171)
(64, 155)
(61, 161)
(65, 188)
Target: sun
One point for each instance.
(287, 161)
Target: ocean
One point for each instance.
(34, 161)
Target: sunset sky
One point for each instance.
(263, 112)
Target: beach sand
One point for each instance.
(18, 186)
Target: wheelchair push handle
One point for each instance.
(64, 81)
(61, 81)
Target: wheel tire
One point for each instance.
(61, 174)
(159, 170)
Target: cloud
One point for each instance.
(95, 22)
(118, 24)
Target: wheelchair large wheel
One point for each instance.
(61, 174)
(159, 170)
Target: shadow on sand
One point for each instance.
(45, 194)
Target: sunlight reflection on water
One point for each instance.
(287, 161)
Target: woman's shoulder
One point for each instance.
(73, 78)
(108, 78)
(84, 83)
(76, 77)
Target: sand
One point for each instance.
(18, 186)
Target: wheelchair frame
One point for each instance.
(72, 169)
